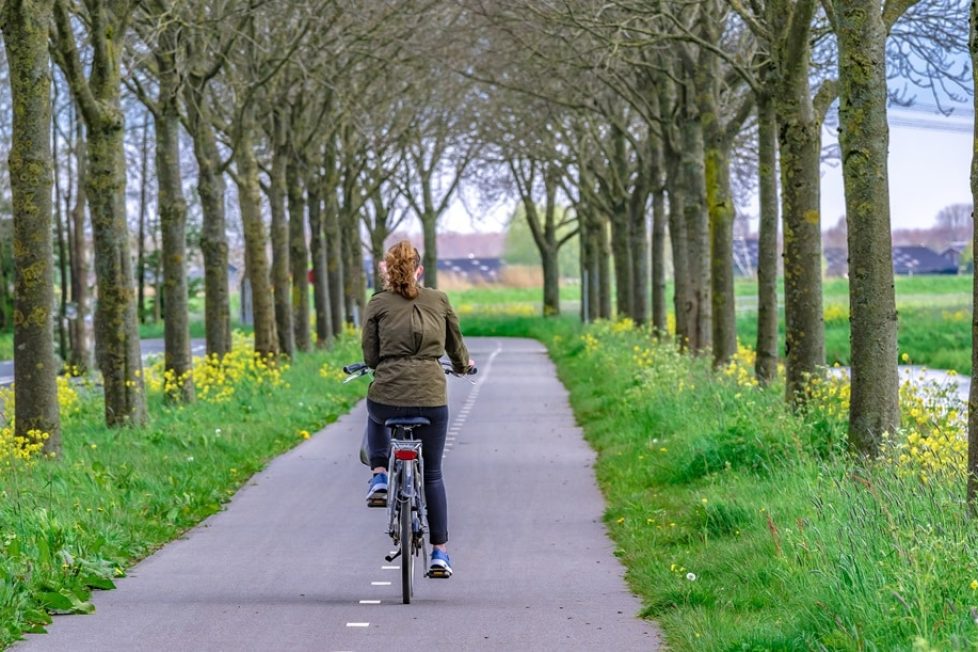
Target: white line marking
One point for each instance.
(358, 624)
(390, 568)
(380, 584)
(370, 602)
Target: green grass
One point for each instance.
(934, 320)
(934, 313)
(790, 546)
(71, 525)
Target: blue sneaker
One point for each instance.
(377, 493)
(441, 565)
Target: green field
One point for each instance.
(934, 313)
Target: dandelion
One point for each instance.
(304, 434)
(691, 577)
(974, 585)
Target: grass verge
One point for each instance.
(72, 525)
(745, 526)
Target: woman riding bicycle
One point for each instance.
(406, 329)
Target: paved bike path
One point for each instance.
(295, 562)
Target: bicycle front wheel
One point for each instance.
(407, 555)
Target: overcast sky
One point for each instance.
(930, 166)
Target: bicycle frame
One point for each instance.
(408, 478)
(406, 492)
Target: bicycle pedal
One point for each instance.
(377, 501)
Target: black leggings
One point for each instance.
(433, 445)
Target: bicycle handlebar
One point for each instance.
(357, 369)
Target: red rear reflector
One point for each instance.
(405, 455)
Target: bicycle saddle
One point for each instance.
(411, 422)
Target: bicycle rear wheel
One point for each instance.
(407, 555)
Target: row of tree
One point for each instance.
(334, 111)
(636, 107)
(650, 119)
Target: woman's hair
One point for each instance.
(402, 261)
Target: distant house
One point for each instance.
(953, 254)
(474, 257)
(907, 261)
(913, 260)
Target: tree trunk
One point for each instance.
(864, 139)
(584, 258)
(973, 394)
(98, 95)
(320, 274)
(141, 242)
(25, 35)
(334, 249)
(281, 287)
(682, 299)
(298, 257)
(659, 220)
(211, 188)
(60, 227)
(354, 289)
(603, 253)
(116, 331)
(721, 215)
(766, 365)
(697, 235)
(639, 247)
(81, 350)
(256, 258)
(799, 144)
(429, 222)
(804, 325)
(173, 224)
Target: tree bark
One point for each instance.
(211, 189)
(25, 36)
(173, 223)
(277, 191)
(141, 238)
(682, 298)
(864, 139)
(697, 235)
(973, 394)
(298, 256)
(334, 241)
(98, 95)
(321, 283)
(63, 233)
(81, 350)
(603, 253)
(639, 247)
(766, 364)
(256, 258)
(799, 143)
(659, 219)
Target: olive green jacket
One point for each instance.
(402, 340)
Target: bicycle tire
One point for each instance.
(407, 556)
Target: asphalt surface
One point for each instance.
(148, 348)
(296, 561)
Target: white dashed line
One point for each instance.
(390, 568)
(370, 602)
(380, 584)
(358, 624)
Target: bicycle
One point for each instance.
(407, 521)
